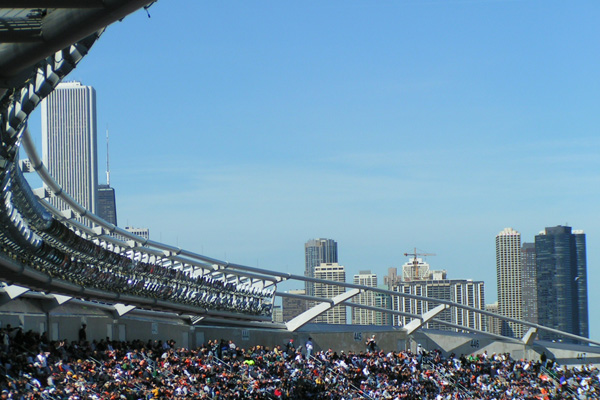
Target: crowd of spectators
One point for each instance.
(32, 367)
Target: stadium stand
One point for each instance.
(35, 368)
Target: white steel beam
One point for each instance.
(308, 315)
(529, 336)
(15, 291)
(123, 309)
(60, 299)
(417, 323)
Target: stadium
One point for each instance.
(163, 318)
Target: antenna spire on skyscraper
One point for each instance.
(107, 160)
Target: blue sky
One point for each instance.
(241, 130)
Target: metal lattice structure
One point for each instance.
(43, 248)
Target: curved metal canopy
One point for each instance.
(38, 29)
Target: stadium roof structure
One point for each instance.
(48, 250)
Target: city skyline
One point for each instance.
(408, 125)
(524, 272)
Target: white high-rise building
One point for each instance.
(508, 271)
(330, 272)
(361, 316)
(69, 142)
(462, 291)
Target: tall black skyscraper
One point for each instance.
(561, 270)
(317, 251)
(106, 204)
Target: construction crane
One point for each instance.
(415, 261)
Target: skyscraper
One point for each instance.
(107, 202)
(529, 283)
(107, 206)
(462, 291)
(392, 278)
(508, 272)
(330, 272)
(316, 252)
(361, 316)
(561, 269)
(69, 142)
(292, 307)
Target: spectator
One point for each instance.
(371, 344)
(82, 333)
(543, 358)
(309, 347)
(5, 340)
(290, 347)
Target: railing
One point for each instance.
(556, 381)
(425, 361)
(32, 384)
(55, 250)
(330, 370)
(152, 364)
(459, 386)
(94, 360)
(222, 362)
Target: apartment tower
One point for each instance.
(508, 272)
(362, 316)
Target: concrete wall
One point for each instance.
(64, 321)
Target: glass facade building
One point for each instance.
(107, 205)
(561, 270)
